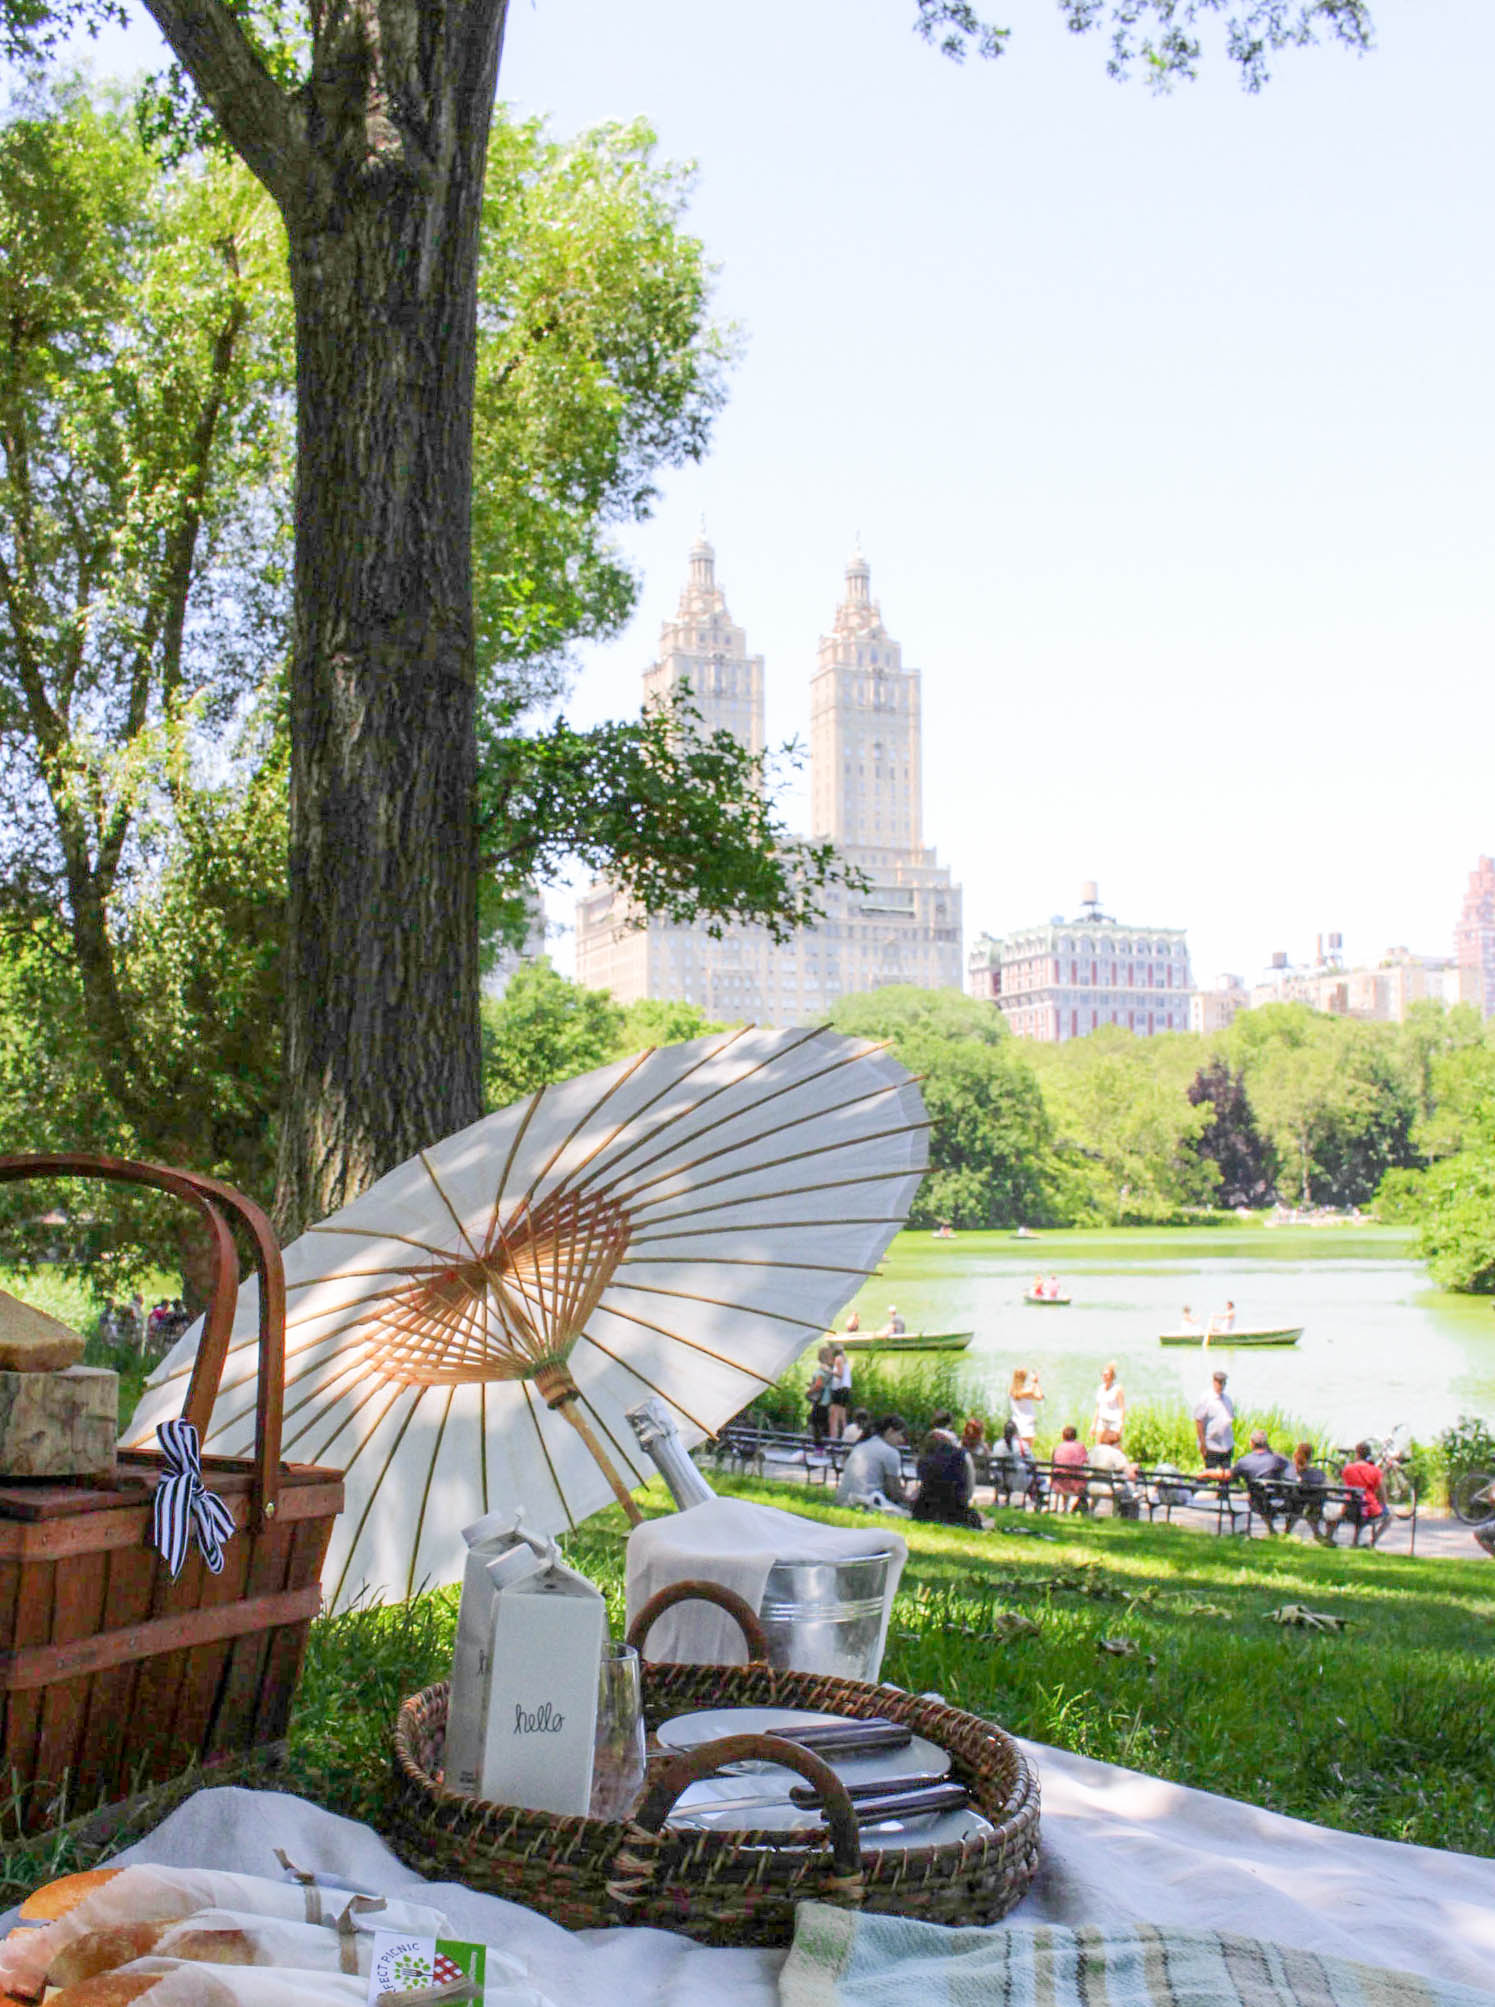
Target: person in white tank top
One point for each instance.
(1110, 1407)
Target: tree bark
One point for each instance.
(377, 165)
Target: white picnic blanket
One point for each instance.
(735, 1542)
(1117, 1847)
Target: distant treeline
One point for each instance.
(1287, 1105)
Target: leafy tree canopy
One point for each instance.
(990, 1146)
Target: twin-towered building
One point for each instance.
(865, 796)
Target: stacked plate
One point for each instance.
(762, 1796)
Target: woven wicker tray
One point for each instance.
(737, 1887)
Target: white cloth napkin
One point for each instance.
(735, 1543)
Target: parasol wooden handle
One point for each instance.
(753, 1634)
(216, 1202)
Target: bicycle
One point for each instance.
(1472, 1496)
(1389, 1453)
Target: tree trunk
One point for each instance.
(382, 1046)
(376, 162)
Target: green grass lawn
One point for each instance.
(1382, 1728)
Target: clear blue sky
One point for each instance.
(1167, 425)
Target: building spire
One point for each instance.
(702, 559)
(858, 577)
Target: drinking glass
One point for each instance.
(618, 1766)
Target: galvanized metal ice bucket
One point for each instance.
(827, 1616)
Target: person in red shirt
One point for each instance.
(1364, 1477)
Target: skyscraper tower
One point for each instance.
(865, 750)
(703, 646)
(1474, 937)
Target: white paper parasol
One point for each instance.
(470, 1332)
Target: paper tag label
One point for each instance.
(405, 1963)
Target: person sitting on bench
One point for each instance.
(1303, 1493)
(1367, 1504)
(1260, 1464)
(1069, 1455)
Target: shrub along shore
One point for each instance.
(1148, 1646)
(1156, 1431)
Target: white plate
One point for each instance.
(866, 1766)
(933, 1829)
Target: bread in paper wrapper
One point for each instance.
(103, 1899)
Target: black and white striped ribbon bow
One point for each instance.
(184, 1504)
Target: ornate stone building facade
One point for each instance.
(865, 792)
(1065, 979)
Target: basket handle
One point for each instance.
(213, 1200)
(688, 1766)
(753, 1634)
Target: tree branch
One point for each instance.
(260, 122)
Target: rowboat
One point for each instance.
(1044, 1302)
(907, 1341)
(1289, 1334)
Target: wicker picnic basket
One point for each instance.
(114, 1677)
(736, 1887)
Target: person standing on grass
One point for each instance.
(840, 1392)
(1368, 1508)
(818, 1395)
(1214, 1423)
(1110, 1407)
(1024, 1394)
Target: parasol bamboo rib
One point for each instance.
(800, 1157)
(694, 1108)
(737, 1115)
(644, 1381)
(430, 1247)
(368, 1504)
(719, 1303)
(452, 1213)
(660, 1093)
(629, 1460)
(758, 1226)
(852, 1142)
(790, 1192)
(631, 1317)
(529, 1402)
(358, 1449)
(425, 1494)
(561, 1148)
(738, 1261)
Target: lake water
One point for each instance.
(1380, 1345)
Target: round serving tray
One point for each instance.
(738, 1886)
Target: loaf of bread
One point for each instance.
(134, 1898)
(216, 1937)
(168, 1982)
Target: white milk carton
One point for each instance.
(522, 1719)
(549, 1627)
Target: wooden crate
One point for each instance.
(112, 1676)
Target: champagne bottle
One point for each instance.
(660, 1441)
